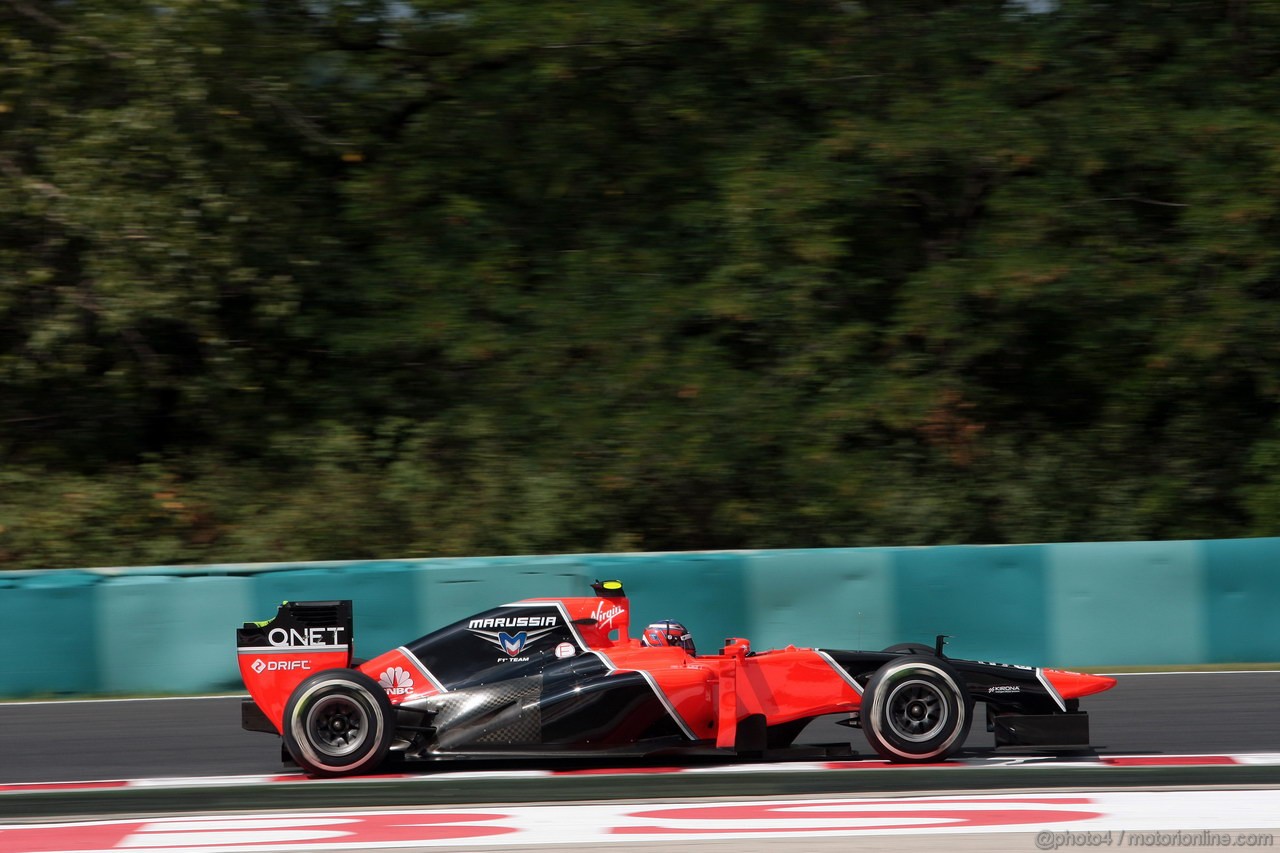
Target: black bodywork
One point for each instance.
(547, 692)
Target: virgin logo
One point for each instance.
(604, 618)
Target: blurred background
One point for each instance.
(315, 279)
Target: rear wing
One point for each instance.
(304, 638)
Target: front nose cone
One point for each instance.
(1073, 685)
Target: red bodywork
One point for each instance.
(709, 694)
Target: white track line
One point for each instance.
(1058, 820)
(1196, 672)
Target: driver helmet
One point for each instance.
(668, 633)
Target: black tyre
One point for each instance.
(338, 723)
(916, 708)
(910, 648)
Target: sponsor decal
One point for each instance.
(512, 622)
(260, 666)
(1005, 688)
(396, 681)
(513, 644)
(604, 617)
(566, 650)
(305, 636)
(1006, 665)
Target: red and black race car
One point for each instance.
(559, 677)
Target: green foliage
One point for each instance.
(322, 279)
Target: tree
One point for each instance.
(339, 279)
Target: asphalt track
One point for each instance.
(1166, 713)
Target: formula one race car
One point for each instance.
(561, 677)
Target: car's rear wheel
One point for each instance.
(916, 708)
(337, 723)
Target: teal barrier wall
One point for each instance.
(47, 628)
(830, 598)
(1143, 603)
(1241, 583)
(166, 634)
(449, 590)
(1089, 605)
(990, 599)
(384, 595)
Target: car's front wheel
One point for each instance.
(916, 708)
(337, 723)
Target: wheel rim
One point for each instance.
(917, 711)
(337, 725)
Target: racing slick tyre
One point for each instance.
(338, 722)
(916, 709)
